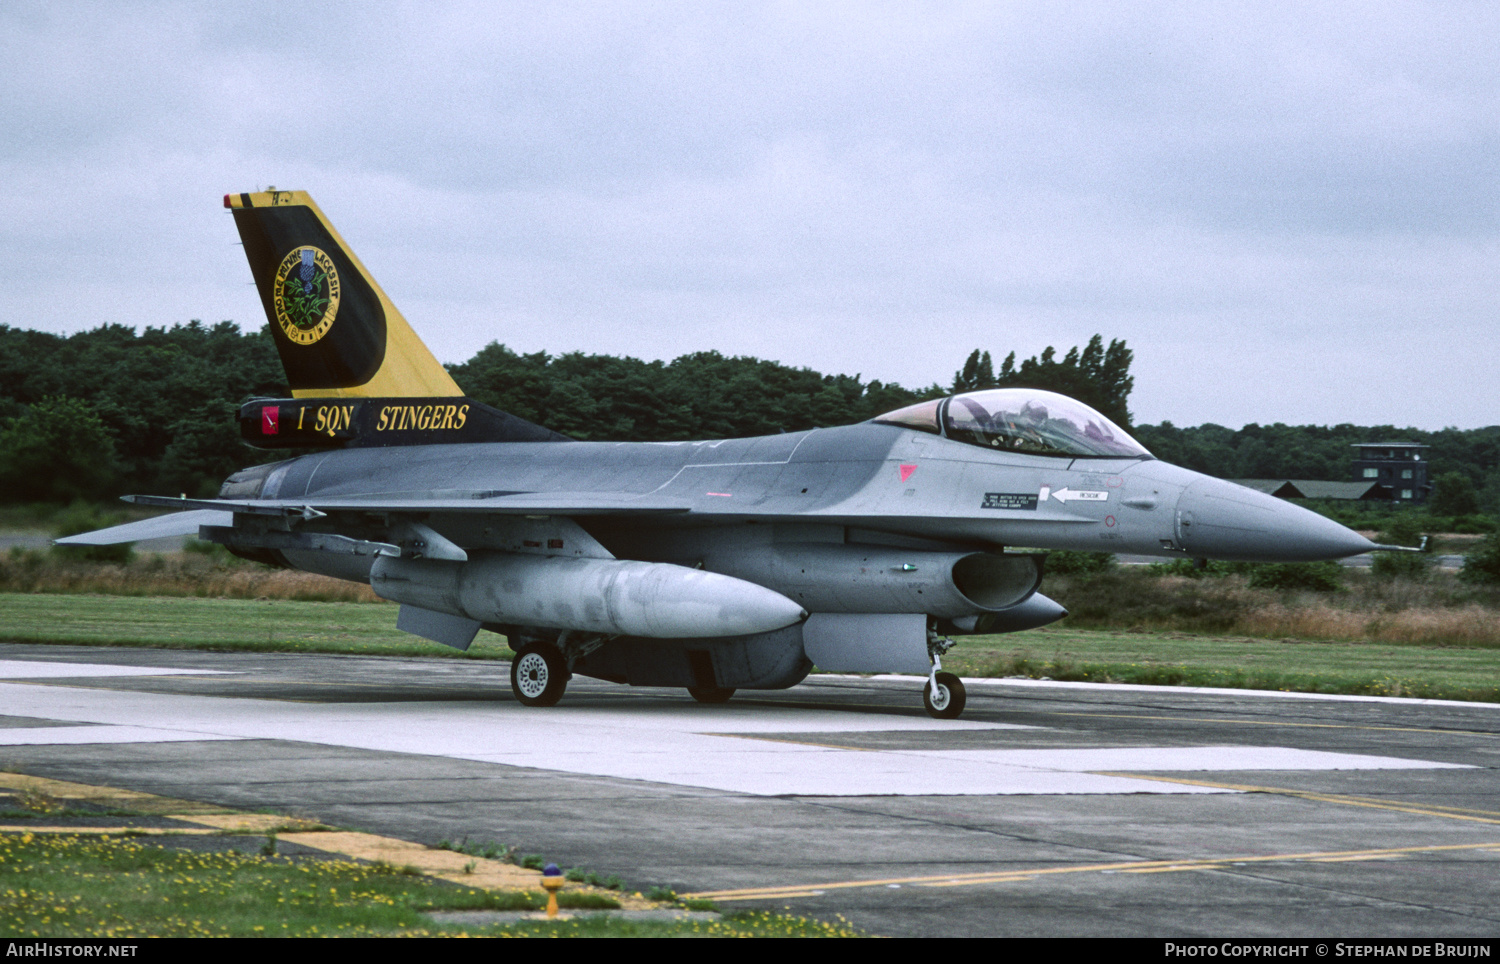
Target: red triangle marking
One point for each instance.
(906, 471)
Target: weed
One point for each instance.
(489, 851)
(38, 802)
(1482, 565)
(582, 876)
(577, 900)
(1313, 576)
(404, 870)
(1067, 562)
(1402, 565)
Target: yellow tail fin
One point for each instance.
(338, 334)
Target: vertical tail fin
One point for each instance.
(338, 334)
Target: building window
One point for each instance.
(1406, 473)
(1372, 473)
(1406, 493)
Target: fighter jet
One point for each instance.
(716, 565)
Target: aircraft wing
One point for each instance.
(177, 524)
(516, 503)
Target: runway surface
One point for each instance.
(1049, 809)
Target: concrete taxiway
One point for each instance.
(1049, 809)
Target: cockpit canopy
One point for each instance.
(1024, 420)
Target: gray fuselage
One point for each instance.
(868, 482)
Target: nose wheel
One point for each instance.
(944, 696)
(538, 675)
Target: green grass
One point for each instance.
(80, 886)
(734, 924)
(273, 625)
(1185, 659)
(85, 886)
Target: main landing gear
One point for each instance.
(541, 668)
(944, 694)
(538, 675)
(711, 694)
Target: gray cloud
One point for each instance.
(1288, 217)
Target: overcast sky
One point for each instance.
(1290, 213)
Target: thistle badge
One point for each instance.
(306, 294)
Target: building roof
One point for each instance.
(1388, 445)
(1280, 488)
(1316, 489)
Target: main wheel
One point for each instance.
(711, 694)
(538, 675)
(947, 702)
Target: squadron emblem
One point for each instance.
(306, 294)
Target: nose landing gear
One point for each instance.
(944, 694)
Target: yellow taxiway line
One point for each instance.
(1129, 867)
(1400, 806)
(1226, 721)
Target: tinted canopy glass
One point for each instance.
(1022, 420)
(1036, 422)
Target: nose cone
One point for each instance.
(1221, 520)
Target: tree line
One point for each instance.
(111, 410)
(1464, 461)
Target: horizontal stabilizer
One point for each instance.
(177, 524)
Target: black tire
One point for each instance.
(711, 694)
(950, 698)
(538, 675)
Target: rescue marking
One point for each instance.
(1079, 495)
